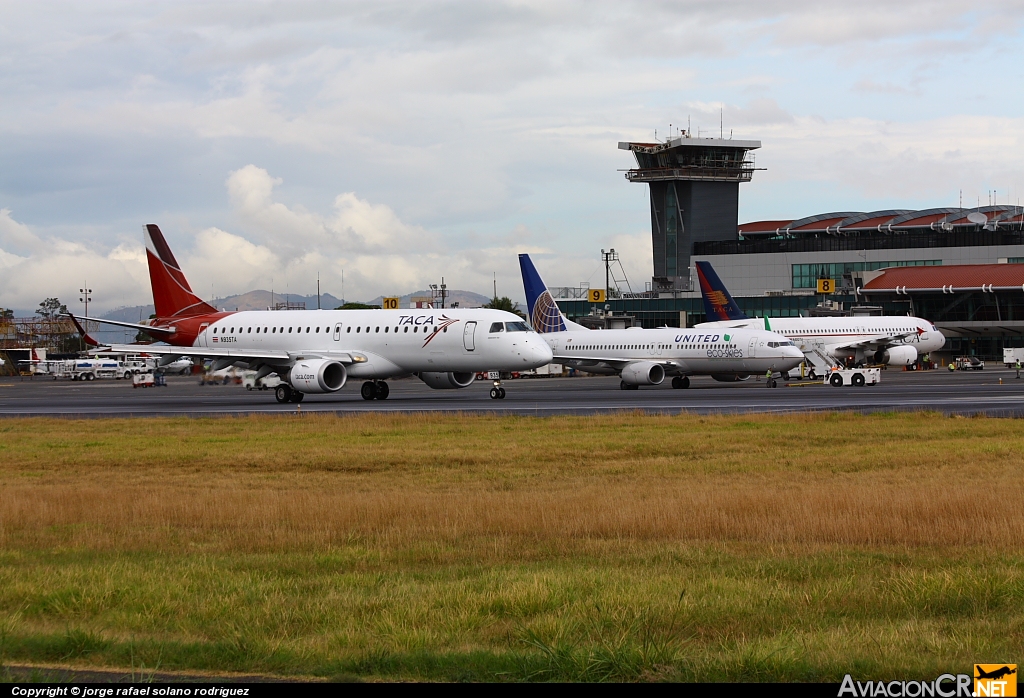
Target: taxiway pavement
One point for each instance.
(968, 392)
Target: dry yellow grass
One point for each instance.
(624, 547)
(270, 484)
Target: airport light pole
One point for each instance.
(85, 297)
(608, 257)
(439, 292)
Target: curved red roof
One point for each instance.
(764, 226)
(956, 275)
(870, 222)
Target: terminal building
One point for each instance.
(962, 269)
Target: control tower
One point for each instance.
(695, 195)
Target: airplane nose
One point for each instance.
(538, 353)
(544, 353)
(792, 353)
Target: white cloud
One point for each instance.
(285, 249)
(413, 140)
(57, 268)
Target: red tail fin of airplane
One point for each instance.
(172, 296)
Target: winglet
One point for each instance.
(544, 313)
(718, 303)
(89, 341)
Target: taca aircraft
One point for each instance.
(317, 351)
(645, 357)
(894, 339)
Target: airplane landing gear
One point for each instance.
(681, 382)
(297, 396)
(623, 385)
(372, 390)
(283, 393)
(497, 392)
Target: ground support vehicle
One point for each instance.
(857, 377)
(1012, 355)
(225, 376)
(268, 382)
(969, 363)
(543, 371)
(91, 369)
(148, 379)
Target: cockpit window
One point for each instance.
(497, 327)
(516, 327)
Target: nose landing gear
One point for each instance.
(375, 390)
(497, 392)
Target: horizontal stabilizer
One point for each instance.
(149, 329)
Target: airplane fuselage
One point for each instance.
(834, 335)
(684, 352)
(382, 343)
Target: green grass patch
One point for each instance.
(625, 548)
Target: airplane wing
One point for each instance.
(345, 357)
(881, 341)
(618, 363)
(151, 329)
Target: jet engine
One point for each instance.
(643, 373)
(317, 376)
(447, 381)
(896, 356)
(728, 377)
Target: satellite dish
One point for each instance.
(977, 218)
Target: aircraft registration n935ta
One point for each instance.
(645, 357)
(317, 351)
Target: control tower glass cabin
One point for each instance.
(695, 190)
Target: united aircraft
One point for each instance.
(896, 339)
(645, 357)
(318, 351)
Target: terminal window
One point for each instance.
(807, 275)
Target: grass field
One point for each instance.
(625, 547)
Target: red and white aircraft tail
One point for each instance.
(181, 315)
(172, 296)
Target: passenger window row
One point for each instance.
(271, 330)
(415, 329)
(665, 346)
(298, 330)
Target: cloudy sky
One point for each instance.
(406, 141)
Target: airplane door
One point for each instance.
(202, 334)
(752, 349)
(337, 332)
(469, 336)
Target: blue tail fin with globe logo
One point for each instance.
(545, 316)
